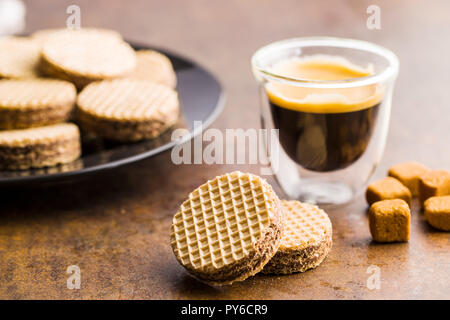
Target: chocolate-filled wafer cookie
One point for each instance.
(85, 56)
(155, 67)
(39, 147)
(127, 110)
(35, 102)
(228, 228)
(306, 239)
(19, 57)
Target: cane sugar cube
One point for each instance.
(434, 183)
(409, 174)
(389, 221)
(386, 189)
(437, 212)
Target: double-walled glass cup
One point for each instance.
(330, 134)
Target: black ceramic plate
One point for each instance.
(201, 99)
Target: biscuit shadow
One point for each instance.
(188, 286)
(98, 190)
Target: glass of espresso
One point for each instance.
(326, 104)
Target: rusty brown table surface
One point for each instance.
(115, 226)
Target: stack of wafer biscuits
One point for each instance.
(32, 132)
(35, 102)
(123, 95)
(234, 226)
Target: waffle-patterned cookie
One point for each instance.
(39, 147)
(306, 239)
(227, 229)
(127, 110)
(155, 67)
(86, 56)
(19, 57)
(35, 102)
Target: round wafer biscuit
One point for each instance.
(126, 109)
(155, 67)
(45, 34)
(227, 229)
(306, 239)
(35, 102)
(86, 56)
(39, 147)
(19, 57)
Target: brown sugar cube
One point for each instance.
(389, 221)
(409, 174)
(386, 189)
(437, 212)
(434, 183)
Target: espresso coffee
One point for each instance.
(323, 129)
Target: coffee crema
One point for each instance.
(323, 129)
